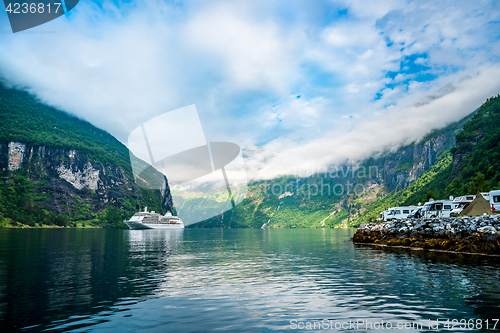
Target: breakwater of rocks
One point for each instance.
(463, 234)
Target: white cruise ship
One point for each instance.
(153, 220)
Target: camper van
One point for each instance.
(383, 215)
(460, 203)
(397, 213)
(495, 201)
(438, 208)
(416, 213)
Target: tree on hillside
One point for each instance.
(428, 196)
(479, 183)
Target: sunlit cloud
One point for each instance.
(307, 82)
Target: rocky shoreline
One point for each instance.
(476, 235)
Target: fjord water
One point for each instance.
(236, 280)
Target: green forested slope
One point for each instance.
(432, 181)
(35, 194)
(24, 119)
(286, 202)
(474, 164)
(477, 154)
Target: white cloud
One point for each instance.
(380, 132)
(243, 64)
(252, 53)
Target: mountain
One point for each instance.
(472, 165)
(476, 159)
(455, 160)
(338, 196)
(58, 169)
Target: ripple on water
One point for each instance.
(233, 280)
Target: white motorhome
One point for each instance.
(416, 213)
(438, 208)
(494, 200)
(460, 203)
(383, 215)
(398, 213)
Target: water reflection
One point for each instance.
(232, 280)
(466, 286)
(48, 275)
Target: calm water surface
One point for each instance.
(236, 280)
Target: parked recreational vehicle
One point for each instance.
(383, 215)
(438, 208)
(416, 213)
(397, 213)
(495, 201)
(460, 203)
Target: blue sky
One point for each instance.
(367, 73)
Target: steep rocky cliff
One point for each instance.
(348, 196)
(56, 168)
(68, 182)
(399, 169)
(396, 172)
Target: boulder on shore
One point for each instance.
(463, 234)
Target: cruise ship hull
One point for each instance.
(142, 226)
